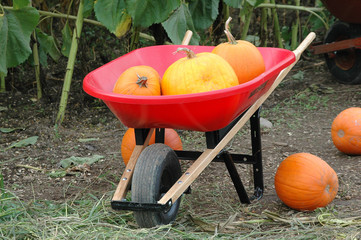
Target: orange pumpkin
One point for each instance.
(305, 182)
(243, 56)
(171, 138)
(138, 80)
(346, 131)
(197, 73)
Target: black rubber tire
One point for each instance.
(344, 65)
(156, 171)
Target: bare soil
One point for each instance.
(301, 110)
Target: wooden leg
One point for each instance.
(125, 180)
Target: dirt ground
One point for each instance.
(300, 124)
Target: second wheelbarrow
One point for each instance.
(342, 43)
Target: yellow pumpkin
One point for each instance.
(197, 73)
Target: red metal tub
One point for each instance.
(204, 112)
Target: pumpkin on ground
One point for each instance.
(171, 138)
(138, 80)
(346, 131)
(243, 56)
(197, 73)
(305, 182)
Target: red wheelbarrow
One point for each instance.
(342, 43)
(153, 173)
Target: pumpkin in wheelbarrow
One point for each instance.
(138, 80)
(197, 73)
(171, 139)
(244, 57)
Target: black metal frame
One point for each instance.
(212, 139)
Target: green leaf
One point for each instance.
(177, 25)
(17, 4)
(255, 3)
(16, 28)
(65, 163)
(234, 3)
(57, 173)
(113, 16)
(203, 13)
(47, 45)
(3, 108)
(23, 143)
(67, 39)
(147, 12)
(88, 8)
(9, 130)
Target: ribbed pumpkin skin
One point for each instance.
(205, 72)
(128, 82)
(305, 182)
(171, 138)
(244, 57)
(346, 131)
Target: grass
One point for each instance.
(92, 218)
(306, 100)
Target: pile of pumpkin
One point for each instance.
(229, 64)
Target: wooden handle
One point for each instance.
(187, 37)
(303, 45)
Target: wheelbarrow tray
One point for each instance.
(207, 111)
(346, 11)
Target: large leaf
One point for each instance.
(47, 45)
(147, 12)
(23, 143)
(17, 4)
(75, 161)
(112, 15)
(234, 3)
(16, 28)
(88, 8)
(177, 25)
(203, 13)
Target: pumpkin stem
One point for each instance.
(142, 81)
(190, 53)
(229, 35)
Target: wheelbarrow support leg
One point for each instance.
(237, 182)
(257, 155)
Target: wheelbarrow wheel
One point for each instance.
(344, 65)
(156, 171)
